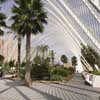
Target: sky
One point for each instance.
(6, 8)
(68, 23)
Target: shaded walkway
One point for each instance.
(14, 90)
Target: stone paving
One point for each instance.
(14, 90)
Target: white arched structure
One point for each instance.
(70, 23)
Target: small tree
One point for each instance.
(31, 17)
(91, 56)
(74, 61)
(64, 59)
(37, 60)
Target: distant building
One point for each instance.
(8, 49)
(1, 46)
(68, 65)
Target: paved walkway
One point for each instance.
(13, 90)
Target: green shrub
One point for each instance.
(12, 63)
(56, 78)
(60, 71)
(70, 70)
(95, 72)
(40, 71)
(1, 59)
(57, 74)
(22, 70)
(6, 68)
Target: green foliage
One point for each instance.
(1, 59)
(64, 59)
(95, 72)
(37, 60)
(91, 56)
(6, 68)
(1, 1)
(2, 22)
(60, 71)
(74, 61)
(29, 16)
(40, 68)
(70, 70)
(56, 77)
(40, 71)
(12, 63)
(22, 70)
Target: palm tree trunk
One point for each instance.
(52, 61)
(19, 55)
(28, 81)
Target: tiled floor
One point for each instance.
(10, 90)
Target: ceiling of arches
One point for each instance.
(70, 22)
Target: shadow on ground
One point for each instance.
(16, 84)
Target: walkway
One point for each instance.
(14, 90)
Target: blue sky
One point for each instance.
(59, 34)
(55, 39)
(6, 7)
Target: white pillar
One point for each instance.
(79, 67)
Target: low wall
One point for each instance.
(93, 80)
(96, 81)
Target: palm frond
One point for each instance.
(1, 1)
(2, 16)
(30, 16)
(1, 32)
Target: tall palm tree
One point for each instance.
(18, 29)
(31, 15)
(64, 59)
(74, 61)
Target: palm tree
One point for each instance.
(17, 28)
(64, 59)
(31, 17)
(74, 61)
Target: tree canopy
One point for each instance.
(64, 59)
(74, 61)
(91, 56)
